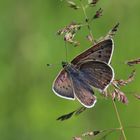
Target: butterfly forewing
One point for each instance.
(101, 52)
(83, 92)
(97, 73)
(62, 86)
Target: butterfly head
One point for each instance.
(64, 64)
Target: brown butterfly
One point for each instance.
(89, 69)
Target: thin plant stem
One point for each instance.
(87, 21)
(119, 120)
(66, 52)
(105, 136)
(111, 130)
(133, 126)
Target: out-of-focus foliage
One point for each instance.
(28, 41)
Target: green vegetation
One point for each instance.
(28, 41)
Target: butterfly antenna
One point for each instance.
(52, 65)
(66, 51)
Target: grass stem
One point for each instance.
(87, 21)
(119, 120)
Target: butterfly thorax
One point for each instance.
(70, 68)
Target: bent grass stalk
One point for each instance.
(114, 104)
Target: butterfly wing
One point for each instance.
(97, 73)
(102, 51)
(62, 86)
(83, 92)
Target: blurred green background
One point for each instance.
(28, 41)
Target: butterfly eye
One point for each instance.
(64, 64)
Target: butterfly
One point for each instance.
(91, 69)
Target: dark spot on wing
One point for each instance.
(108, 51)
(99, 56)
(102, 47)
(101, 73)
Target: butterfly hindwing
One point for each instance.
(102, 51)
(97, 73)
(62, 86)
(83, 91)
